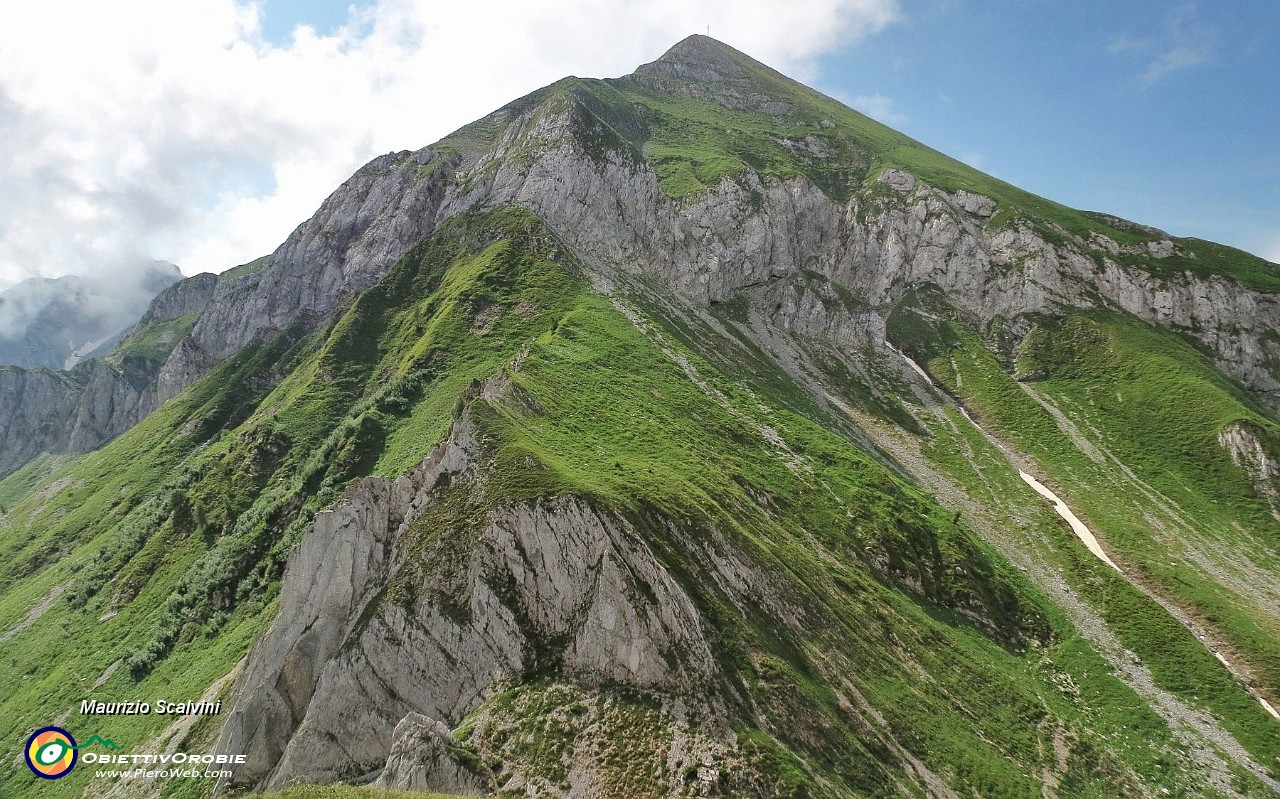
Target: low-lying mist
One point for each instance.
(57, 322)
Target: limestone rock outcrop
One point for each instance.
(1247, 451)
(347, 246)
(188, 296)
(354, 651)
(68, 413)
(423, 758)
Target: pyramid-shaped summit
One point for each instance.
(701, 58)
(673, 435)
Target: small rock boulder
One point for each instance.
(424, 757)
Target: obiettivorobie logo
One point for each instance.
(52, 752)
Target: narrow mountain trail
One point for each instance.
(36, 612)
(1182, 718)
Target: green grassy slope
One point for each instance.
(1176, 404)
(168, 543)
(155, 341)
(604, 432)
(166, 546)
(1133, 448)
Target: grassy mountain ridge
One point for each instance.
(891, 610)
(612, 408)
(698, 129)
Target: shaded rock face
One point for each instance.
(350, 657)
(37, 404)
(347, 246)
(188, 296)
(69, 412)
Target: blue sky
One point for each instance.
(1164, 113)
(280, 17)
(203, 132)
(1167, 113)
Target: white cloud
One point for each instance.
(878, 107)
(174, 130)
(1180, 43)
(1182, 57)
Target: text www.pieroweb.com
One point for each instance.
(169, 773)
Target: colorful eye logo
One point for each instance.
(51, 752)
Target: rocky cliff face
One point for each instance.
(896, 234)
(68, 413)
(747, 232)
(350, 243)
(188, 296)
(38, 402)
(1248, 452)
(358, 652)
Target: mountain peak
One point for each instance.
(699, 58)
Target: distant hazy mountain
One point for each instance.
(57, 322)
